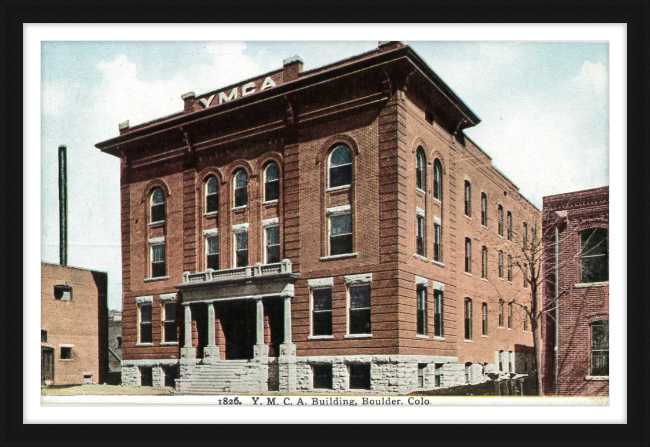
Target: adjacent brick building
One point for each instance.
(576, 245)
(319, 229)
(74, 325)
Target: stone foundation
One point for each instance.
(131, 371)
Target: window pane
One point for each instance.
(170, 311)
(213, 262)
(272, 172)
(340, 156)
(170, 331)
(359, 296)
(322, 323)
(242, 258)
(158, 252)
(600, 364)
(241, 179)
(158, 270)
(420, 322)
(322, 299)
(213, 245)
(145, 313)
(323, 376)
(212, 203)
(242, 240)
(241, 197)
(158, 213)
(360, 377)
(273, 235)
(437, 177)
(359, 321)
(594, 242)
(273, 254)
(600, 335)
(340, 176)
(272, 191)
(157, 197)
(341, 224)
(145, 333)
(594, 269)
(212, 186)
(341, 245)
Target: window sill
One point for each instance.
(510, 329)
(583, 285)
(66, 360)
(468, 217)
(437, 201)
(484, 336)
(484, 227)
(424, 337)
(338, 188)
(468, 274)
(211, 213)
(438, 263)
(160, 278)
(597, 378)
(240, 208)
(511, 283)
(484, 279)
(343, 256)
(469, 341)
(438, 338)
(320, 337)
(168, 343)
(420, 257)
(421, 191)
(501, 279)
(357, 336)
(270, 202)
(144, 344)
(156, 224)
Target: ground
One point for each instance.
(105, 389)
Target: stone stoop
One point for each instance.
(227, 376)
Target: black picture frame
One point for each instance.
(12, 165)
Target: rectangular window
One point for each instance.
(420, 235)
(43, 335)
(438, 375)
(484, 213)
(145, 324)
(272, 245)
(241, 249)
(593, 256)
(501, 312)
(468, 255)
(322, 311)
(66, 353)
(502, 361)
(212, 250)
(500, 219)
(437, 243)
(510, 268)
(171, 374)
(146, 376)
(169, 322)
(468, 319)
(600, 348)
(525, 234)
(322, 376)
(118, 342)
(484, 326)
(340, 234)
(63, 292)
(501, 264)
(525, 318)
(510, 315)
(511, 355)
(422, 309)
(437, 314)
(484, 263)
(360, 376)
(468, 199)
(509, 226)
(525, 272)
(158, 268)
(421, 368)
(360, 309)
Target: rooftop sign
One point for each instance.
(238, 92)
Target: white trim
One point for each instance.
(357, 336)
(320, 337)
(157, 240)
(343, 209)
(363, 278)
(438, 263)
(420, 257)
(419, 211)
(320, 282)
(343, 256)
(424, 337)
(270, 202)
(211, 232)
(269, 222)
(240, 227)
(337, 188)
(65, 345)
(157, 278)
(241, 207)
(169, 296)
(421, 280)
(211, 213)
(583, 285)
(144, 299)
(438, 286)
(437, 220)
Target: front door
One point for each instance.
(47, 364)
(238, 325)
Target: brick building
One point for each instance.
(576, 245)
(322, 229)
(74, 325)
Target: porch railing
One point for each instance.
(253, 271)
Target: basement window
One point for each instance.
(171, 374)
(146, 376)
(66, 353)
(43, 335)
(322, 376)
(360, 376)
(421, 367)
(63, 292)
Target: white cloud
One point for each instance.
(53, 99)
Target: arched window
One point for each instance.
(484, 262)
(468, 199)
(157, 203)
(437, 180)
(340, 167)
(468, 255)
(468, 318)
(500, 220)
(484, 212)
(593, 255)
(271, 182)
(241, 188)
(509, 226)
(420, 173)
(211, 195)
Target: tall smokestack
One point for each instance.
(63, 206)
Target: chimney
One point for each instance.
(292, 68)
(125, 127)
(63, 206)
(189, 102)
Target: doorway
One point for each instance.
(238, 325)
(47, 364)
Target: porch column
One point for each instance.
(188, 352)
(287, 319)
(287, 358)
(211, 351)
(261, 350)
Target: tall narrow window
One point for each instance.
(600, 348)
(500, 219)
(340, 234)
(420, 173)
(484, 262)
(145, 324)
(271, 182)
(422, 309)
(501, 264)
(157, 206)
(501, 312)
(359, 313)
(468, 319)
(420, 235)
(468, 255)
(421, 368)
(437, 242)
(241, 188)
(525, 235)
(212, 252)
(484, 211)
(509, 226)
(437, 180)
(510, 268)
(340, 167)
(169, 322)
(211, 195)
(158, 265)
(484, 326)
(502, 361)
(510, 314)
(272, 245)
(241, 249)
(526, 318)
(322, 311)
(468, 199)
(525, 274)
(438, 375)
(437, 314)
(593, 256)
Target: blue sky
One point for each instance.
(544, 110)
